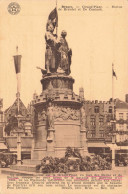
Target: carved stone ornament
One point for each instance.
(82, 116)
(42, 115)
(50, 116)
(65, 113)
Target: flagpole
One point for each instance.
(18, 91)
(57, 21)
(112, 82)
(18, 78)
(113, 91)
(17, 61)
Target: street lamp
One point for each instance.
(19, 132)
(113, 133)
(19, 147)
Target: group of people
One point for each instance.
(57, 55)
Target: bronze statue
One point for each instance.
(57, 55)
(52, 45)
(65, 54)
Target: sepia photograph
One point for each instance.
(63, 96)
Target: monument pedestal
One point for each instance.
(51, 143)
(58, 116)
(65, 114)
(84, 142)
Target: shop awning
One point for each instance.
(117, 147)
(97, 145)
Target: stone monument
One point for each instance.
(59, 116)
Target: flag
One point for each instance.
(53, 17)
(114, 74)
(17, 63)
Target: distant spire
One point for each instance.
(17, 50)
(81, 92)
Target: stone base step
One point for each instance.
(27, 168)
(31, 162)
(9, 171)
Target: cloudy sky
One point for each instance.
(97, 39)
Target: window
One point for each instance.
(101, 120)
(121, 127)
(110, 109)
(92, 121)
(127, 116)
(121, 115)
(96, 109)
(101, 134)
(92, 134)
(1, 117)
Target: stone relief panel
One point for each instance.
(60, 113)
(65, 113)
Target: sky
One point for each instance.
(97, 39)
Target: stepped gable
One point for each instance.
(121, 104)
(13, 110)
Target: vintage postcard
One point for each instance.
(63, 96)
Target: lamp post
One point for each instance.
(113, 133)
(19, 147)
(19, 132)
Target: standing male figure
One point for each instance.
(52, 45)
(65, 54)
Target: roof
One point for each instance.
(121, 104)
(7, 109)
(3, 146)
(16, 102)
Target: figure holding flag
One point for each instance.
(57, 55)
(52, 43)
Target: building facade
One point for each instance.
(122, 122)
(15, 120)
(3, 147)
(107, 124)
(98, 117)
